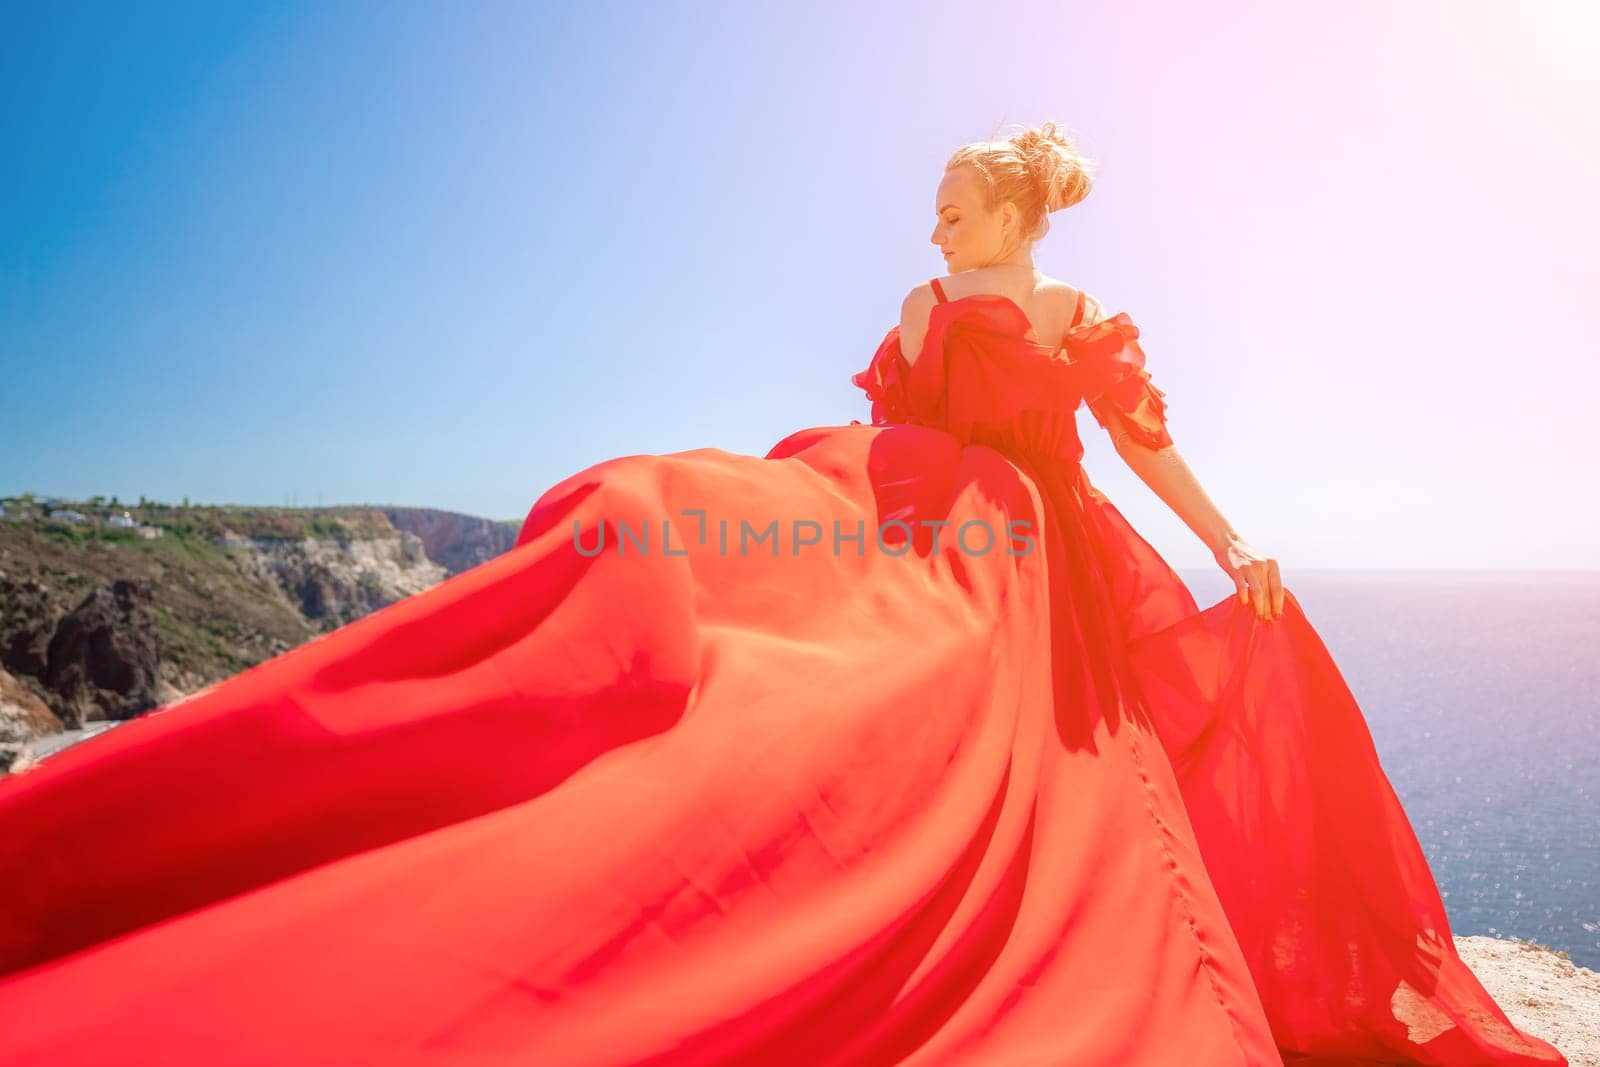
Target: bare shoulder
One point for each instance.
(1060, 306)
(921, 295)
(1067, 297)
(915, 311)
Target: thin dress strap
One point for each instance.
(1077, 312)
(938, 290)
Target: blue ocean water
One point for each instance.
(1482, 691)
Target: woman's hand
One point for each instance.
(1256, 576)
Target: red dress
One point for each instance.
(751, 795)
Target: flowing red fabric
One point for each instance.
(731, 791)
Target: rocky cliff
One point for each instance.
(455, 541)
(103, 622)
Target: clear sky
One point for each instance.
(446, 255)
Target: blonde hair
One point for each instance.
(1040, 170)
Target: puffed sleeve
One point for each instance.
(884, 382)
(1113, 368)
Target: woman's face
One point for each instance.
(966, 234)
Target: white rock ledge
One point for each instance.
(1542, 991)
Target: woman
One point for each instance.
(894, 746)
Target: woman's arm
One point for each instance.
(1164, 470)
(915, 311)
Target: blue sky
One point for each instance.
(448, 255)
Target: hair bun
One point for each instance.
(1063, 173)
(1039, 169)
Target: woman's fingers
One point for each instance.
(1259, 577)
(1256, 579)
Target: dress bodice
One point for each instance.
(980, 377)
